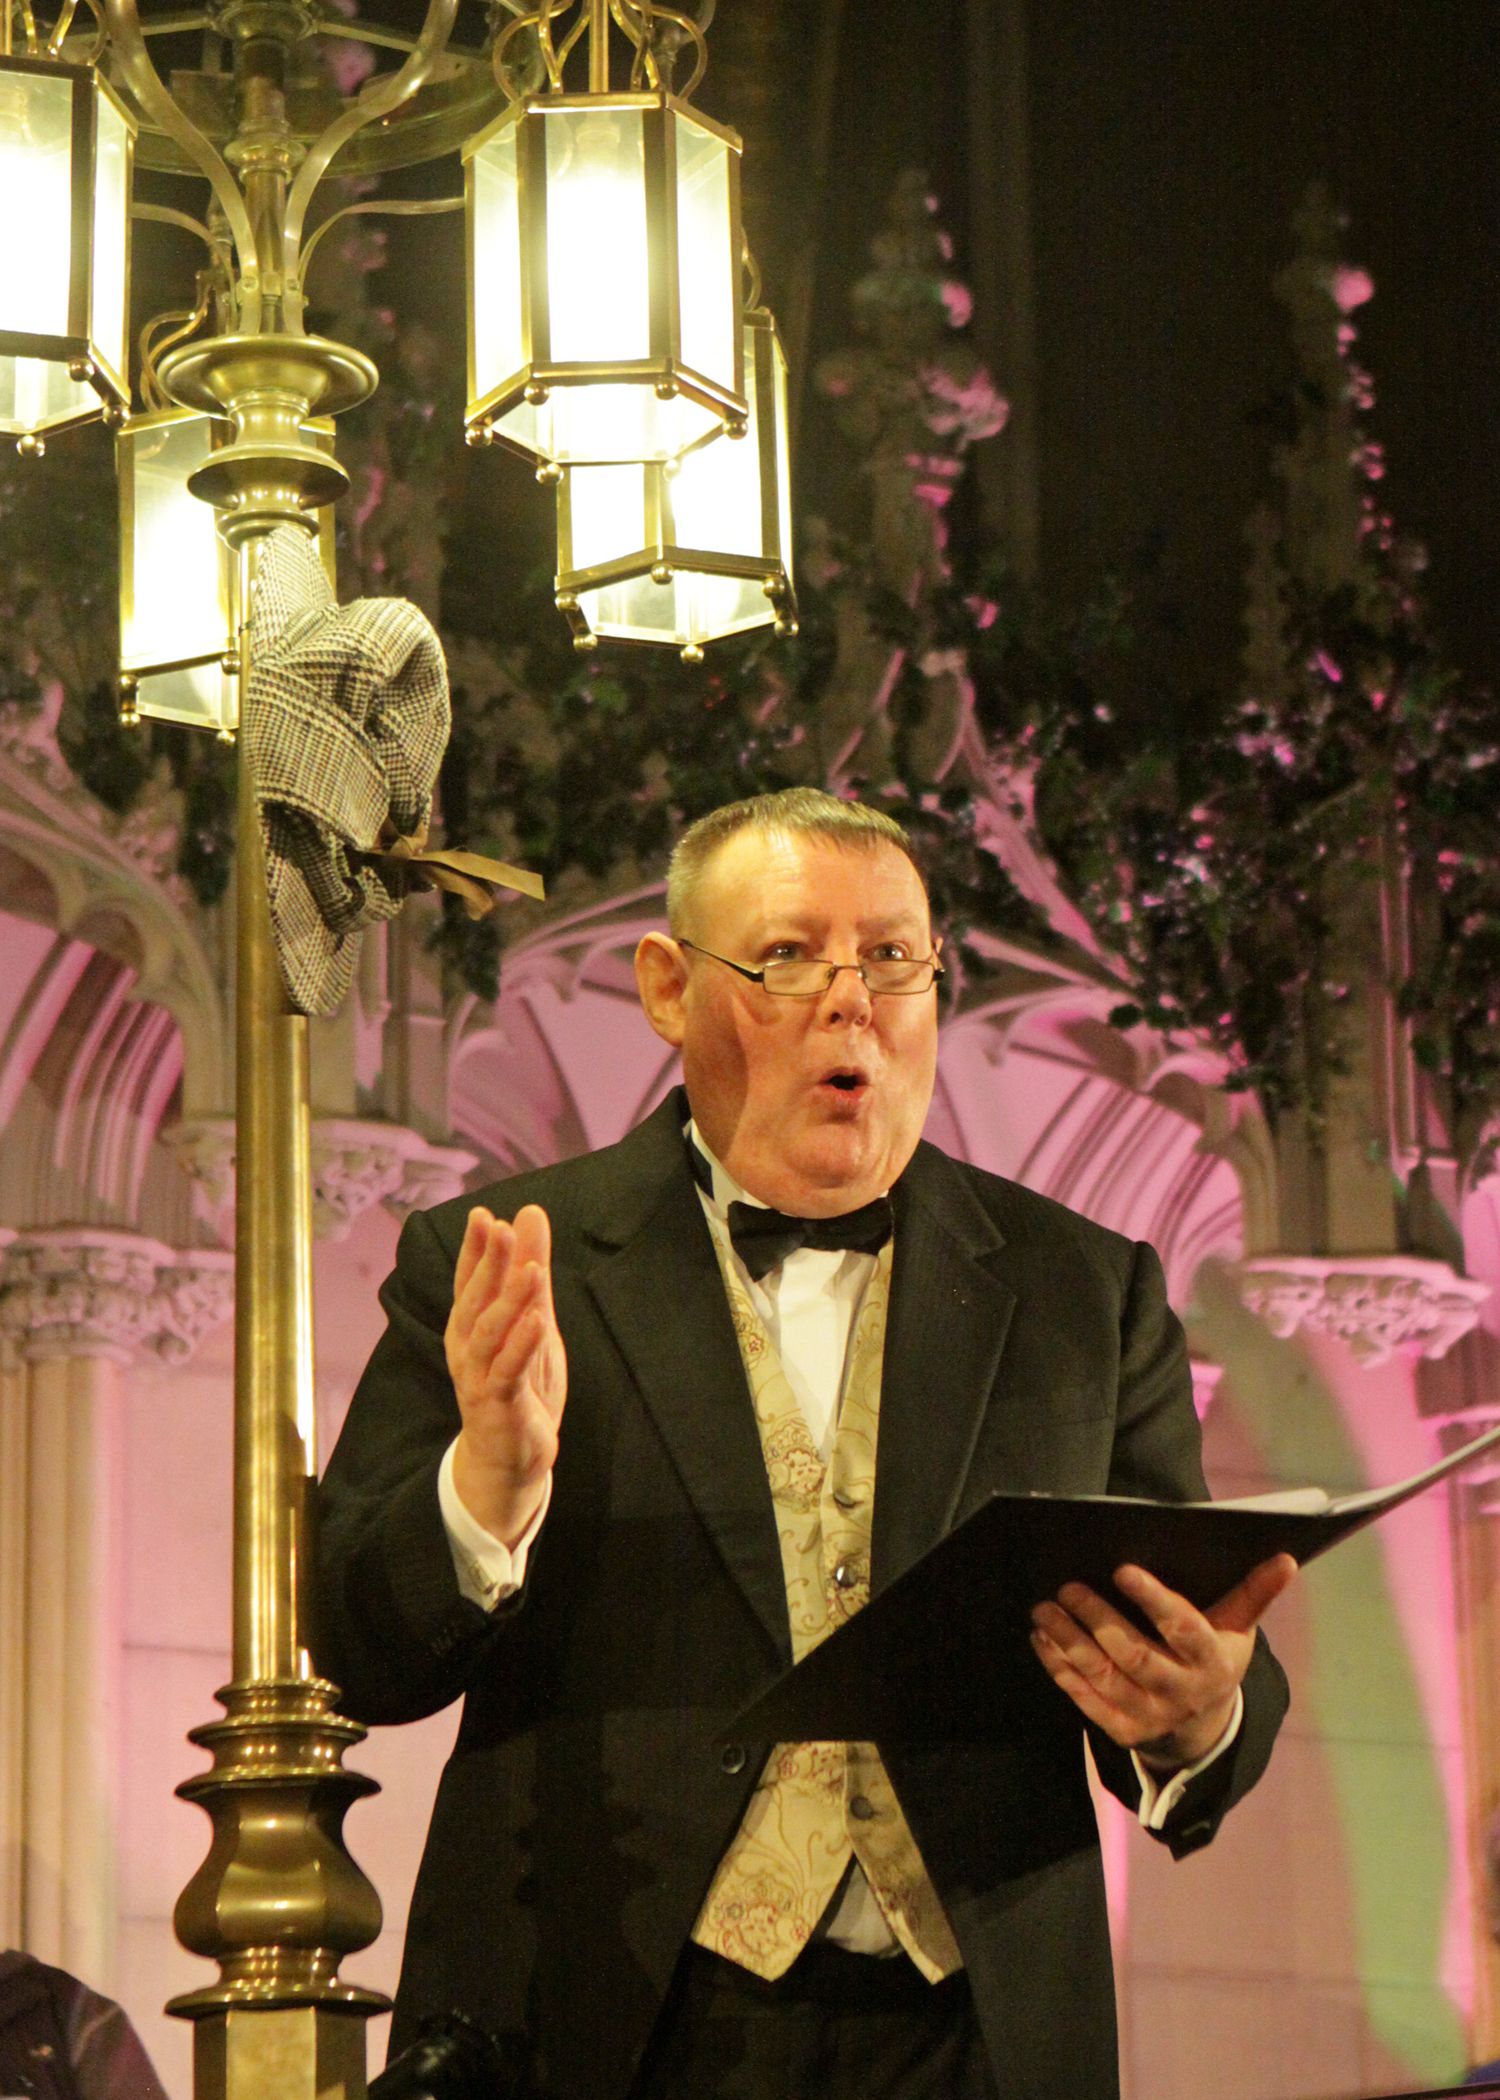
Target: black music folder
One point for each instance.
(935, 1642)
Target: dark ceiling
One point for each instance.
(1139, 160)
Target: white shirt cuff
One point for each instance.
(488, 1571)
(1161, 1792)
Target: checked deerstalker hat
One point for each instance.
(346, 721)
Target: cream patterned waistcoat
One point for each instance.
(815, 1803)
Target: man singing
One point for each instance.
(646, 1427)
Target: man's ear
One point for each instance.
(661, 979)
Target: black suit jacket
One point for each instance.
(589, 1796)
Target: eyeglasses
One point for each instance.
(808, 977)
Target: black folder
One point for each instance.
(938, 1640)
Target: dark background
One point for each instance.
(1119, 176)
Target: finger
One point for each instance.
(1181, 1627)
(1134, 1654)
(533, 1230)
(1090, 1700)
(475, 1240)
(520, 1288)
(1244, 1606)
(514, 1362)
(534, 1244)
(474, 1284)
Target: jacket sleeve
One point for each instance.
(390, 1625)
(1158, 1453)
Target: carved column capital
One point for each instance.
(357, 1161)
(97, 1291)
(204, 1147)
(194, 1293)
(1379, 1304)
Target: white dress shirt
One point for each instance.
(807, 1305)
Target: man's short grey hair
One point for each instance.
(799, 812)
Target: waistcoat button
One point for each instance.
(732, 1758)
(846, 1498)
(845, 1575)
(862, 1806)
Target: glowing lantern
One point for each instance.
(604, 273)
(178, 618)
(66, 147)
(689, 550)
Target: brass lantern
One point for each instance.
(178, 618)
(66, 147)
(688, 550)
(604, 272)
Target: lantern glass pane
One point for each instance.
(707, 265)
(716, 493)
(598, 259)
(609, 422)
(176, 603)
(607, 513)
(495, 309)
(35, 392)
(108, 317)
(36, 222)
(692, 608)
(201, 697)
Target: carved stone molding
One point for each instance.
(194, 1292)
(97, 1291)
(1378, 1304)
(205, 1152)
(357, 1161)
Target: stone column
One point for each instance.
(77, 1305)
(1461, 1397)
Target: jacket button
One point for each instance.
(845, 1575)
(861, 1806)
(732, 1758)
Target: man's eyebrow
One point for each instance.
(810, 924)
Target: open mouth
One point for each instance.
(847, 1082)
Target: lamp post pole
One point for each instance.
(278, 1902)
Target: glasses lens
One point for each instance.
(898, 974)
(802, 978)
(807, 978)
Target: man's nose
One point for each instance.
(847, 996)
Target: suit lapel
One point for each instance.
(948, 1319)
(660, 1293)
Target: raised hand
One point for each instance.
(509, 1369)
(1170, 1698)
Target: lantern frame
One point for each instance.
(511, 411)
(88, 363)
(662, 558)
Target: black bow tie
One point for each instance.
(762, 1238)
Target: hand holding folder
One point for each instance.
(941, 1641)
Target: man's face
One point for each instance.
(814, 1105)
